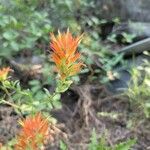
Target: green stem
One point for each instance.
(11, 104)
(31, 103)
(51, 98)
(6, 91)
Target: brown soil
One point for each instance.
(79, 116)
(8, 123)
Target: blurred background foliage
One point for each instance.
(25, 24)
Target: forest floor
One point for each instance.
(84, 108)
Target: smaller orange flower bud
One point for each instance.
(33, 134)
(4, 73)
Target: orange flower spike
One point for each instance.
(4, 73)
(33, 133)
(64, 47)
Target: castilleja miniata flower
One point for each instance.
(33, 133)
(4, 73)
(65, 54)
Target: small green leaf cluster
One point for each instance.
(139, 87)
(102, 144)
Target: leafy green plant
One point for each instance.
(102, 144)
(102, 56)
(24, 100)
(139, 88)
(112, 38)
(128, 38)
(18, 31)
(63, 146)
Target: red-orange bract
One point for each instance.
(64, 47)
(3, 73)
(33, 134)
